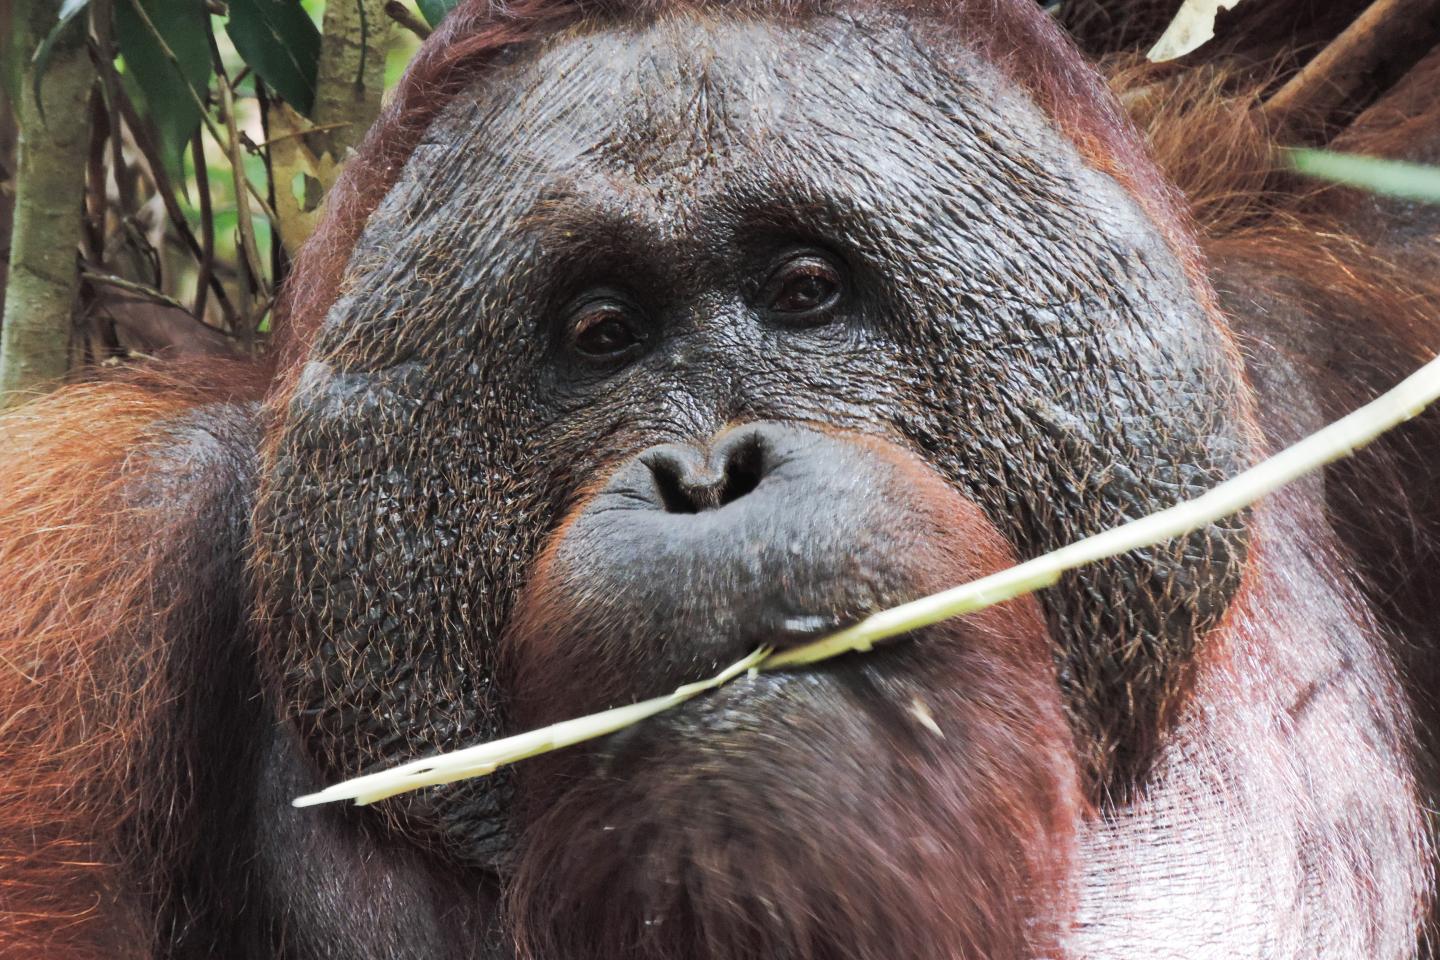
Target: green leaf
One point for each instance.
(435, 10)
(69, 10)
(172, 89)
(1395, 178)
(280, 43)
(307, 191)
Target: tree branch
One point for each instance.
(1386, 30)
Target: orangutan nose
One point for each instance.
(688, 480)
(690, 556)
(768, 534)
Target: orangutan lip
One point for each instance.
(719, 713)
(752, 701)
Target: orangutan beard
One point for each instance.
(920, 802)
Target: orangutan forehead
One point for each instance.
(686, 100)
(686, 95)
(676, 149)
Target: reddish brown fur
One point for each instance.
(84, 710)
(1208, 137)
(1310, 279)
(68, 580)
(90, 603)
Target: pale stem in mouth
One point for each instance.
(1328, 444)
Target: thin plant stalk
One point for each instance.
(252, 276)
(1326, 445)
(207, 226)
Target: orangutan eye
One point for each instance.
(605, 329)
(803, 289)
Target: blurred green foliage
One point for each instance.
(164, 214)
(1394, 178)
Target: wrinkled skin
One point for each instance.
(1007, 319)
(1013, 321)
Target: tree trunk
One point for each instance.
(50, 185)
(351, 77)
(7, 154)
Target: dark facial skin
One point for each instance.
(634, 238)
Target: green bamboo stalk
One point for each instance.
(50, 186)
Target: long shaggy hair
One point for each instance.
(103, 629)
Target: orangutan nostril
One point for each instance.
(674, 482)
(742, 470)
